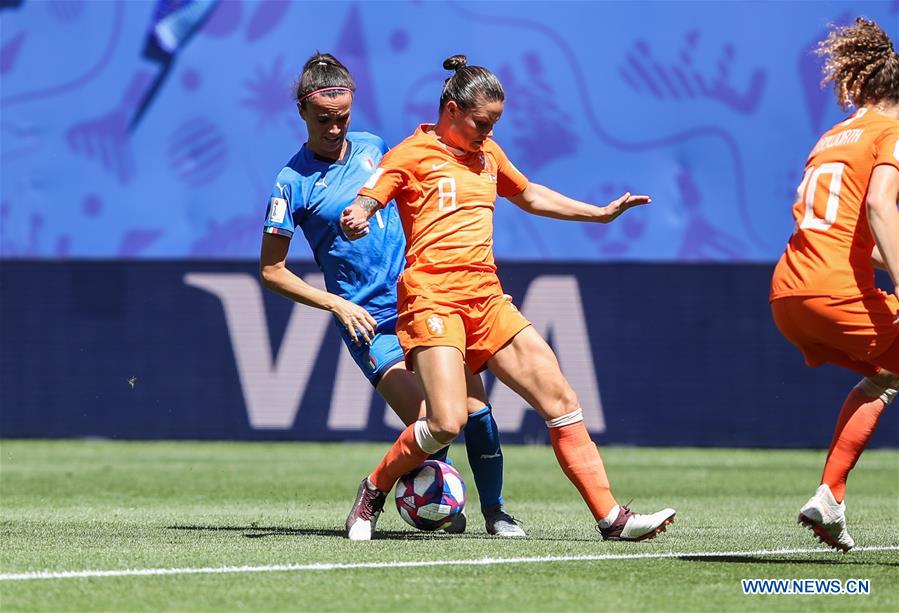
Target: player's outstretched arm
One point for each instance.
(540, 200)
(883, 217)
(354, 219)
(277, 277)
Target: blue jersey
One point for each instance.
(311, 193)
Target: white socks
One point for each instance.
(425, 439)
(609, 519)
(566, 420)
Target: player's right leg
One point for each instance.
(402, 391)
(825, 512)
(529, 367)
(844, 332)
(485, 456)
(441, 374)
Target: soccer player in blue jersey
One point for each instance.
(310, 193)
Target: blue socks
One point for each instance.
(485, 456)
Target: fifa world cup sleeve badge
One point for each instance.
(277, 208)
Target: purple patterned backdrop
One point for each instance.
(147, 129)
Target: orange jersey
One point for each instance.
(446, 204)
(829, 253)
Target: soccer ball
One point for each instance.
(430, 496)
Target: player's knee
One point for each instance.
(568, 400)
(445, 428)
(552, 393)
(563, 402)
(427, 439)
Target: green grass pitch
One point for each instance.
(97, 505)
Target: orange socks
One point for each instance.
(855, 425)
(403, 456)
(580, 461)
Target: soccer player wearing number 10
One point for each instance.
(823, 295)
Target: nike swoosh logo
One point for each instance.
(491, 457)
(438, 166)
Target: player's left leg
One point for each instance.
(529, 367)
(381, 361)
(843, 333)
(402, 391)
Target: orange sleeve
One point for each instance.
(393, 176)
(886, 148)
(509, 180)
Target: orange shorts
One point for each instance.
(855, 332)
(477, 327)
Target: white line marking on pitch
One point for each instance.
(144, 572)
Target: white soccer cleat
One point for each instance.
(630, 526)
(827, 519)
(499, 523)
(363, 517)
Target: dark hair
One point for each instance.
(470, 85)
(861, 62)
(320, 71)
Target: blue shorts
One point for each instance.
(383, 352)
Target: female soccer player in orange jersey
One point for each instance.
(452, 309)
(822, 295)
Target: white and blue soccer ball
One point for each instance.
(430, 496)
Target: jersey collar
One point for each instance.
(312, 156)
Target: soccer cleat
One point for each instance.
(458, 525)
(827, 519)
(630, 526)
(360, 523)
(500, 523)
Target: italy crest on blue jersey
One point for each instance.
(311, 193)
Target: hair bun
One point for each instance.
(455, 62)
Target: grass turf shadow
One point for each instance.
(266, 531)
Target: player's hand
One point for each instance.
(353, 222)
(358, 322)
(627, 201)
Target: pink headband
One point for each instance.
(326, 89)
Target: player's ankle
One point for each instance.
(609, 519)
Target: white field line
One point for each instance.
(143, 572)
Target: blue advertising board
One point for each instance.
(658, 355)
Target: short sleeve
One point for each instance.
(393, 177)
(372, 140)
(279, 217)
(509, 180)
(378, 142)
(886, 148)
